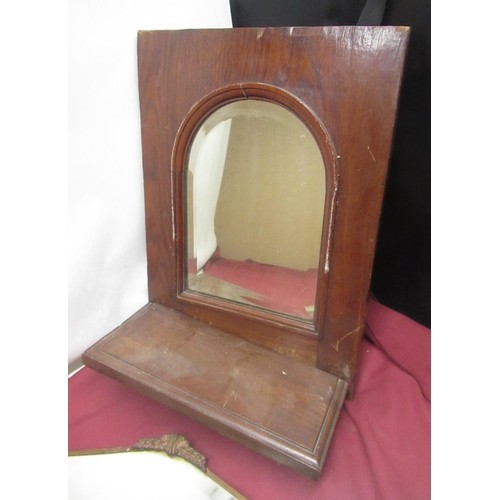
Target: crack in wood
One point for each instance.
(337, 344)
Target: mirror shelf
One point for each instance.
(270, 379)
(282, 408)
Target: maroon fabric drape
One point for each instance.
(380, 448)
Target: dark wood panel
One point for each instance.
(349, 78)
(258, 383)
(277, 405)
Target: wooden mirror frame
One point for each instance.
(269, 323)
(343, 83)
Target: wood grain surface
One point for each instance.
(273, 382)
(276, 405)
(343, 82)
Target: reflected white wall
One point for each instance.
(107, 253)
(206, 162)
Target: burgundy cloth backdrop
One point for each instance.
(380, 448)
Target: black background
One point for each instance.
(402, 270)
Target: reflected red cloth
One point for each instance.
(380, 448)
(283, 289)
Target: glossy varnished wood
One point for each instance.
(349, 78)
(272, 382)
(278, 406)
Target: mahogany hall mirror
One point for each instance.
(255, 188)
(265, 153)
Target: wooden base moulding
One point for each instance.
(276, 405)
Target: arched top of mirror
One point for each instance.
(258, 199)
(218, 118)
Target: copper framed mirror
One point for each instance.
(265, 155)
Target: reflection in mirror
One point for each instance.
(129, 475)
(256, 193)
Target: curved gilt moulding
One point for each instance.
(174, 445)
(95, 473)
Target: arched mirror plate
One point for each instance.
(255, 204)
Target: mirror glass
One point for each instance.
(255, 202)
(131, 475)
